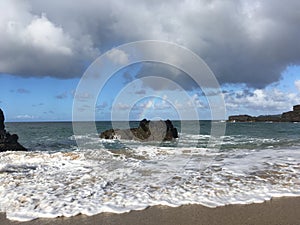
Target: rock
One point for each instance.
(291, 116)
(296, 108)
(146, 131)
(268, 118)
(8, 142)
(108, 134)
(241, 118)
(2, 126)
(171, 130)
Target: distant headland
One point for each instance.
(291, 116)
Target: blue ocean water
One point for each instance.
(250, 162)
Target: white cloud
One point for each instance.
(82, 96)
(154, 104)
(118, 56)
(102, 106)
(25, 116)
(267, 101)
(195, 102)
(149, 104)
(33, 45)
(297, 84)
(121, 106)
(43, 34)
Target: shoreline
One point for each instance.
(284, 210)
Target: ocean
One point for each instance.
(250, 163)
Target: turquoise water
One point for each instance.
(251, 162)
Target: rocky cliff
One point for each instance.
(291, 116)
(8, 142)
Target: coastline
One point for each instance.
(284, 210)
(290, 116)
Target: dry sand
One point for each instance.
(281, 211)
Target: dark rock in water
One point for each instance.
(2, 126)
(146, 131)
(291, 116)
(171, 130)
(8, 142)
(108, 134)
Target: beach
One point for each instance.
(138, 113)
(278, 211)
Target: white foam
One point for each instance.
(39, 184)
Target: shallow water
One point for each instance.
(255, 162)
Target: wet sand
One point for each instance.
(285, 211)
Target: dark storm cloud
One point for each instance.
(127, 77)
(245, 41)
(140, 92)
(173, 77)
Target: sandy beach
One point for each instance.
(279, 211)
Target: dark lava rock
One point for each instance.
(8, 142)
(146, 131)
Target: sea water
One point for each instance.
(251, 163)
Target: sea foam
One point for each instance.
(122, 176)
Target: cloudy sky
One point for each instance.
(252, 48)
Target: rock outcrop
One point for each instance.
(241, 118)
(291, 116)
(8, 142)
(296, 108)
(146, 131)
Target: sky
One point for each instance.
(46, 47)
